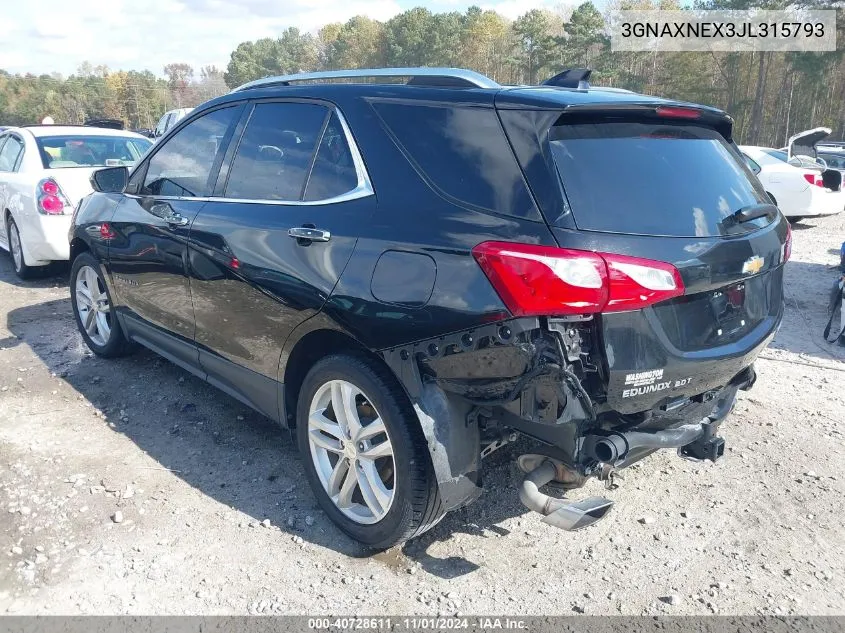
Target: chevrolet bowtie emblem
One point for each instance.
(753, 265)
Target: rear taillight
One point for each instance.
(106, 231)
(787, 245)
(543, 280)
(814, 179)
(51, 200)
(636, 283)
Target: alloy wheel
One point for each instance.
(92, 306)
(352, 452)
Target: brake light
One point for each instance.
(543, 280)
(787, 245)
(51, 200)
(814, 179)
(673, 112)
(106, 232)
(50, 187)
(636, 283)
(51, 205)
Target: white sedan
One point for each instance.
(798, 192)
(44, 172)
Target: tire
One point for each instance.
(407, 475)
(110, 341)
(16, 252)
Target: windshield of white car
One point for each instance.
(62, 152)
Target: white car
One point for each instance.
(44, 172)
(168, 120)
(797, 191)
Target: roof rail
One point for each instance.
(571, 78)
(442, 77)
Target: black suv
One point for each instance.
(413, 274)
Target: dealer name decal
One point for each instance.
(646, 382)
(643, 378)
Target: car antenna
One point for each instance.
(571, 78)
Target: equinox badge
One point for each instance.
(753, 265)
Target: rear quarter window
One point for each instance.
(462, 153)
(653, 178)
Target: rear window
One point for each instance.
(90, 151)
(776, 153)
(653, 179)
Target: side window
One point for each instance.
(463, 154)
(10, 153)
(276, 152)
(182, 166)
(162, 123)
(334, 170)
(752, 165)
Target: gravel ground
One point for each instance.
(131, 487)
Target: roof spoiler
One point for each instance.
(571, 78)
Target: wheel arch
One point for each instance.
(454, 444)
(77, 246)
(307, 348)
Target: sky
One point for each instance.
(44, 36)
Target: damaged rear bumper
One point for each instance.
(546, 380)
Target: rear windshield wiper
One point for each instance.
(751, 212)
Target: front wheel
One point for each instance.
(364, 453)
(92, 308)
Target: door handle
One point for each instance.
(174, 219)
(309, 234)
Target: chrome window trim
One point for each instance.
(363, 189)
(136, 196)
(364, 182)
(353, 194)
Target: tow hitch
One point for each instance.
(561, 513)
(708, 446)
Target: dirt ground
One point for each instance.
(131, 487)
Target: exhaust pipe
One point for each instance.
(611, 448)
(559, 512)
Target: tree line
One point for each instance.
(770, 94)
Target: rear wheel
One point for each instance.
(92, 308)
(16, 251)
(364, 453)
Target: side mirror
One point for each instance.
(110, 179)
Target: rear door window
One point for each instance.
(334, 168)
(654, 179)
(276, 151)
(10, 153)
